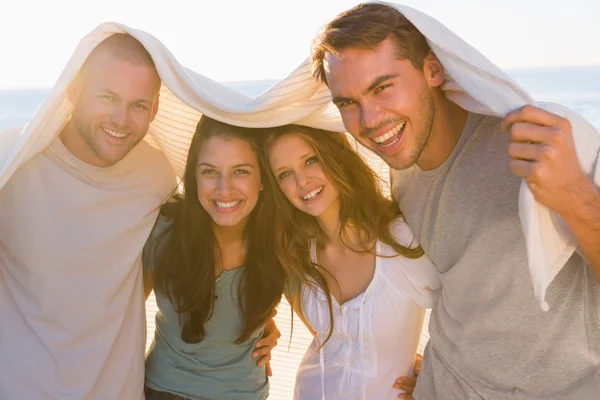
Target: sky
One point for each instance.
(267, 39)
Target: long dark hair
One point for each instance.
(362, 204)
(184, 269)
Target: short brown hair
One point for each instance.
(365, 26)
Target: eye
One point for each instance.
(284, 175)
(241, 172)
(107, 97)
(311, 160)
(381, 88)
(208, 171)
(140, 106)
(344, 103)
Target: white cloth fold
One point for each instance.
(473, 82)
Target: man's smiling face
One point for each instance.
(385, 102)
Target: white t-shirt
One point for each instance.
(375, 335)
(72, 319)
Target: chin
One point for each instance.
(398, 162)
(113, 158)
(315, 214)
(393, 164)
(113, 161)
(226, 222)
(315, 211)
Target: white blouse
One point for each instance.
(375, 335)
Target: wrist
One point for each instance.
(582, 205)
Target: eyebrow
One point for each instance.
(304, 157)
(205, 164)
(378, 81)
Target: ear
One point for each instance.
(74, 89)
(155, 108)
(262, 187)
(433, 70)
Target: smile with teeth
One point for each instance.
(380, 140)
(231, 204)
(114, 133)
(311, 195)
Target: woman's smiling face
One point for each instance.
(300, 175)
(228, 178)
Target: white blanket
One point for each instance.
(472, 82)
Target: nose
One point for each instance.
(120, 115)
(302, 179)
(224, 184)
(370, 115)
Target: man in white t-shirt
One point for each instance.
(73, 222)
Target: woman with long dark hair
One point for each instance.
(360, 279)
(217, 281)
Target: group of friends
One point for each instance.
(98, 218)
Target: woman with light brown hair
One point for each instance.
(360, 281)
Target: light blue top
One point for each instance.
(215, 368)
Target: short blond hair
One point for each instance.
(124, 47)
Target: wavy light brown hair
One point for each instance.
(362, 205)
(184, 253)
(365, 26)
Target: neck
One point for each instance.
(228, 235)
(449, 122)
(231, 250)
(331, 226)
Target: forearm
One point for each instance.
(584, 221)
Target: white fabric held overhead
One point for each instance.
(473, 82)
